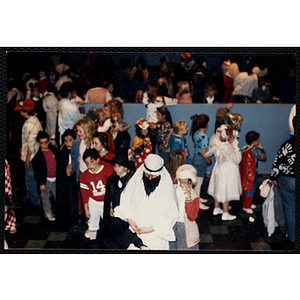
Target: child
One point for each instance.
(177, 159)
(130, 160)
(84, 129)
(176, 139)
(116, 233)
(200, 161)
(225, 181)
(161, 130)
(44, 168)
(66, 213)
(210, 94)
(141, 144)
(121, 139)
(186, 229)
(103, 143)
(251, 154)
(93, 187)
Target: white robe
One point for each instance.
(159, 209)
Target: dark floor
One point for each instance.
(35, 232)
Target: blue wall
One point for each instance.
(270, 120)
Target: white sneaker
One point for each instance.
(227, 217)
(253, 206)
(203, 200)
(248, 210)
(49, 216)
(217, 211)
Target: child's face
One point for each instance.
(110, 88)
(211, 93)
(184, 131)
(144, 132)
(256, 143)
(97, 144)
(35, 93)
(101, 116)
(68, 140)
(160, 118)
(80, 132)
(44, 144)
(185, 183)
(106, 112)
(92, 164)
(120, 170)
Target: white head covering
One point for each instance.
(142, 123)
(187, 171)
(222, 130)
(153, 165)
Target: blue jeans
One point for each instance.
(31, 186)
(200, 165)
(287, 191)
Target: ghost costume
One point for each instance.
(159, 209)
(225, 182)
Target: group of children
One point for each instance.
(88, 173)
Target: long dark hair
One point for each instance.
(165, 112)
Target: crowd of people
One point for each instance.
(143, 192)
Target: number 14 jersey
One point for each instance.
(93, 185)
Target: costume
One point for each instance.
(61, 80)
(67, 117)
(93, 187)
(158, 209)
(179, 142)
(121, 141)
(106, 160)
(50, 105)
(230, 75)
(140, 151)
(283, 171)
(12, 93)
(186, 229)
(225, 181)
(249, 172)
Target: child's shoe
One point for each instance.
(49, 216)
(227, 217)
(217, 211)
(87, 233)
(248, 210)
(253, 206)
(203, 207)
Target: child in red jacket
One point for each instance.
(186, 229)
(251, 154)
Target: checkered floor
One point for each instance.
(35, 232)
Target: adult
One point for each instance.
(149, 204)
(97, 95)
(230, 75)
(244, 84)
(30, 147)
(283, 174)
(68, 112)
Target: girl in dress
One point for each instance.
(225, 181)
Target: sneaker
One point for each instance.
(13, 230)
(253, 206)
(248, 210)
(227, 217)
(203, 200)
(203, 207)
(217, 211)
(49, 216)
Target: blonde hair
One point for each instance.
(176, 128)
(89, 127)
(115, 119)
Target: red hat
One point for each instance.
(185, 55)
(27, 104)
